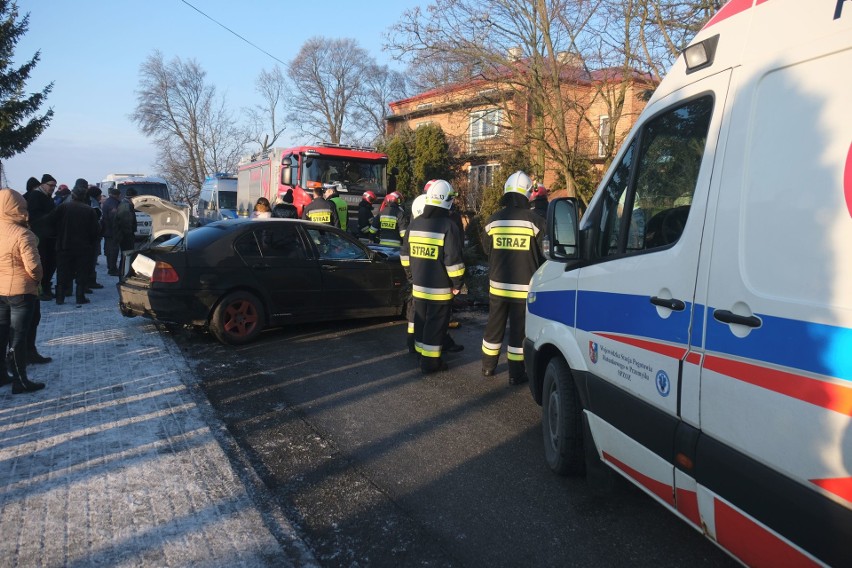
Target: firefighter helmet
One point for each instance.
(369, 196)
(393, 197)
(439, 193)
(519, 182)
(539, 191)
(418, 205)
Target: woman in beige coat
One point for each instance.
(20, 273)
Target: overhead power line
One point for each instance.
(218, 23)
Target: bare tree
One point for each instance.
(196, 133)
(551, 62)
(267, 119)
(380, 87)
(326, 77)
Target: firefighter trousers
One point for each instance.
(431, 320)
(500, 311)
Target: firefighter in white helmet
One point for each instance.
(513, 242)
(432, 251)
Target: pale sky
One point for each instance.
(92, 50)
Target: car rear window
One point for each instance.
(197, 238)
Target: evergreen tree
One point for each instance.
(400, 158)
(18, 127)
(431, 155)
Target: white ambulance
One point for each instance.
(693, 331)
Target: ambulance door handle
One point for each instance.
(670, 303)
(726, 316)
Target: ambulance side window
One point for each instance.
(648, 197)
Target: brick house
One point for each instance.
(484, 120)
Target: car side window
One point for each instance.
(647, 199)
(331, 245)
(246, 246)
(280, 242)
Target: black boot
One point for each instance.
(60, 295)
(81, 296)
(20, 382)
(36, 358)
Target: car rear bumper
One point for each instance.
(182, 307)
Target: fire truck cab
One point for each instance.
(303, 168)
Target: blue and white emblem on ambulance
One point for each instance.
(663, 384)
(593, 351)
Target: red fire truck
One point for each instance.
(303, 168)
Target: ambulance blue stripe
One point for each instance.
(631, 315)
(811, 347)
(557, 306)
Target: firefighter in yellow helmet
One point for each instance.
(513, 242)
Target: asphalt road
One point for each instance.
(377, 465)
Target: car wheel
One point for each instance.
(562, 421)
(238, 319)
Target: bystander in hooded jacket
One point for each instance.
(20, 264)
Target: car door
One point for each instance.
(352, 282)
(635, 316)
(275, 253)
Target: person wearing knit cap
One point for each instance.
(77, 231)
(32, 183)
(40, 206)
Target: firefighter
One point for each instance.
(538, 201)
(320, 211)
(513, 242)
(332, 195)
(391, 222)
(365, 217)
(432, 252)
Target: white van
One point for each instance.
(694, 330)
(143, 185)
(218, 199)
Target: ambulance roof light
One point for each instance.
(701, 54)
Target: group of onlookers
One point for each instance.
(51, 231)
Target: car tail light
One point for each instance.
(164, 272)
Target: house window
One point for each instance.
(484, 124)
(424, 106)
(482, 176)
(603, 135)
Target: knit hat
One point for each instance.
(81, 190)
(47, 178)
(95, 192)
(32, 183)
(80, 183)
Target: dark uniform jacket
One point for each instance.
(39, 207)
(513, 243)
(321, 211)
(539, 207)
(365, 220)
(391, 224)
(77, 227)
(432, 253)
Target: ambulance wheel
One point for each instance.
(238, 319)
(561, 421)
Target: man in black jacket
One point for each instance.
(77, 232)
(40, 205)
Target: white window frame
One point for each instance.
(481, 176)
(485, 124)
